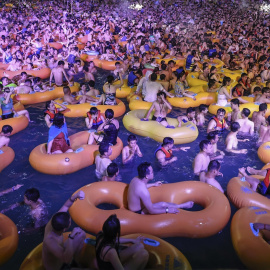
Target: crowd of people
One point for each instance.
(197, 32)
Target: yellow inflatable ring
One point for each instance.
(39, 97)
(234, 75)
(78, 110)
(8, 238)
(197, 224)
(264, 152)
(192, 79)
(187, 133)
(136, 103)
(241, 194)
(82, 157)
(7, 155)
(43, 73)
(249, 244)
(178, 62)
(164, 254)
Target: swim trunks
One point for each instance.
(159, 119)
(138, 212)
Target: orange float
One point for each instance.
(8, 238)
(18, 123)
(82, 157)
(88, 58)
(7, 155)
(43, 73)
(240, 194)
(38, 97)
(163, 255)
(264, 152)
(209, 221)
(250, 244)
(56, 45)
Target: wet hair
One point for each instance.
(246, 112)
(60, 221)
(109, 113)
(243, 75)
(202, 107)
(212, 69)
(163, 66)
(23, 73)
(213, 165)
(262, 107)
(221, 110)
(265, 89)
(66, 90)
(111, 231)
(211, 83)
(93, 110)
(180, 75)
(235, 126)
(203, 144)
(131, 138)
(112, 169)
(103, 148)
(117, 63)
(226, 80)
(143, 169)
(32, 194)
(139, 72)
(110, 79)
(153, 77)
(161, 93)
(212, 135)
(91, 83)
(257, 89)
(167, 140)
(162, 76)
(190, 110)
(58, 120)
(7, 129)
(235, 101)
(60, 63)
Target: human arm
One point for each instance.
(66, 77)
(51, 77)
(169, 106)
(229, 148)
(48, 122)
(63, 107)
(79, 195)
(10, 189)
(138, 151)
(150, 110)
(261, 226)
(161, 158)
(197, 168)
(211, 126)
(127, 154)
(119, 85)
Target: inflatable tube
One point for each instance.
(216, 63)
(56, 45)
(192, 79)
(39, 97)
(108, 65)
(7, 155)
(185, 134)
(8, 238)
(241, 194)
(136, 103)
(178, 62)
(82, 157)
(88, 58)
(264, 152)
(201, 98)
(161, 253)
(43, 73)
(204, 223)
(249, 244)
(78, 110)
(83, 39)
(18, 123)
(234, 75)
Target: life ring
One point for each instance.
(8, 238)
(136, 103)
(197, 224)
(234, 75)
(264, 152)
(160, 251)
(78, 110)
(216, 63)
(241, 194)
(87, 58)
(82, 157)
(107, 65)
(39, 97)
(249, 244)
(7, 155)
(192, 79)
(187, 133)
(43, 73)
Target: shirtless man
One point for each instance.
(264, 133)
(93, 91)
(246, 126)
(57, 254)
(264, 98)
(200, 117)
(209, 176)
(57, 73)
(259, 117)
(202, 159)
(131, 150)
(213, 138)
(102, 160)
(232, 141)
(25, 88)
(235, 114)
(112, 173)
(163, 82)
(191, 113)
(165, 72)
(258, 83)
(161, 107)
(218, 122)
(164, 153)
(70, 99)
(138, 197)
(4, 135)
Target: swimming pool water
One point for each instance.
(214, 252)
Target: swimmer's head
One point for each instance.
(257, 90)
(226, 81)
(66, 90)
(235, 126)
(213, 136)
(235, 102)
(191, 112)
(160, 94)
(213, 69)
(93, 110)
(112, 170)
(163, 67)
(92, 83)
(58, 120)
(214, 166)
(168, 141)
(117, 64)
(244, 76)
(7, 129)
(145, 170)
(61, 63)
(263, 107)
(61, 221)
(24, 75)
(205, 146)
(245, 113)
(153, 77)
(211, 83)
(181, 76)
(162, 77)
(109, 114)
(105, 149)
(111, 229)
(265, 90)
(171, 63)
(31, 195)
(132, 138)
(203, 108)
(27, 82)
(258, 79)
(110, 79)
(221, 113)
